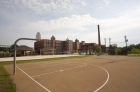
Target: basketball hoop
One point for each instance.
(38, 37)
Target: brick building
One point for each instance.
(24, 50)
(66, 45)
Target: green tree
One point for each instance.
(88, 51)
(73, 51)
(12, 47)
(1, 48)
(4, 49)
(134, 50)
(76, 51)
(110, 47)
(117, 50)
(98, 50)
(57, 51)
(137, 46)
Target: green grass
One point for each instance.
(133, 54)
(7, 84)
(49, 59)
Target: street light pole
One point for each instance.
(126, 40)
(105, 44)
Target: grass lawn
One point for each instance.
(7, 84)
(133, 54)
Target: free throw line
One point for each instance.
(84, 64)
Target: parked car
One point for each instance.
(82, 53)
(75, 53)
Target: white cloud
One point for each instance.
(107, 1)
(124, 22)
(128, 23)
(99, 8)
(79, 26)
(84, 3)
(76, 22)
(46, 6)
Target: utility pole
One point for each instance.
(105, 41)
(105, 44)
(126, 40)
(109, 47)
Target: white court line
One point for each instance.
(45, 65)
(40, 66)
(106, 79)
(34, 80)
(60, 70)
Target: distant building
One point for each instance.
(114, 45)
(24, 50)
(48, 50)
(66, 45)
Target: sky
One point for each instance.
(70, 19)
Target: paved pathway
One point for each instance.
(33, 57)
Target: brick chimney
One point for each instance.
(99, 40)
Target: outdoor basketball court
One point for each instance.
(90, 74)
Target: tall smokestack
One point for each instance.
(99, 40)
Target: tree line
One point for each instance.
(10, 49)
(133, 48)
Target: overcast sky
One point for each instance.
(70, 18)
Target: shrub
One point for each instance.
(18, 55)
(1, 54)
(7, 55)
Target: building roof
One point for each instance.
(114, 45)
(24, 48)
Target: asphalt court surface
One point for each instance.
(90, 74)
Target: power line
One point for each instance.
(118, 42)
